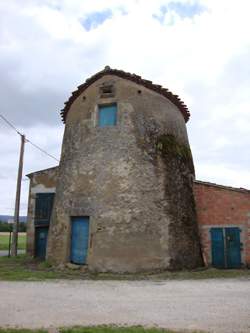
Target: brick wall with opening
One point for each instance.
(223, 207)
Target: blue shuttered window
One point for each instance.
(43, 208)
(107, 115)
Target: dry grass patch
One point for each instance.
(23, 268)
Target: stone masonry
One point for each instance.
(134, 180)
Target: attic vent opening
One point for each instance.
(107, 90)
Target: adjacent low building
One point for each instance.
(223, 218)
(124, 198)
(223, 214)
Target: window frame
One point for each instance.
(103, 105)
(43, 208)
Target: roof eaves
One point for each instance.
(29, 175)
(175, 99)
(223, 187)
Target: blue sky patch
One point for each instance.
(96, 18)
(186, 10)
(183, 10)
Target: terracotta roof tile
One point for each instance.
(175, 99)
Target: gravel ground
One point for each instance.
(212, 305)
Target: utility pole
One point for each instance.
(17, 203)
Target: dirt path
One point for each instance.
(4, 253)
(212, 305)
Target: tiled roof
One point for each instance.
(29, 175)
(223, 187)
(128, 76)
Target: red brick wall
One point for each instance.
(222, 206)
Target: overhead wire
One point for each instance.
(27, 140)
(10, 124)
(42, 150)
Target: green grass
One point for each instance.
(99, 329)
(4, 241)
(23, 268)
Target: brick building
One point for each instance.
(224, 222)
(123, 198)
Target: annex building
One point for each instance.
(124, 197)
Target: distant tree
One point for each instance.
(22, 227)
(5, 226)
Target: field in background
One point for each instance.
(4, 240)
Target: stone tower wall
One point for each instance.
(133, 180)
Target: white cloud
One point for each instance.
(45, 52)
(44, 136)
(223, 174)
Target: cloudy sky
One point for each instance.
(199, 49)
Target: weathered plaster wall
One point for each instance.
(43, 181)
(140, 202)
(220, 206)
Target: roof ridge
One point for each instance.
(40, 171)
(175, 99)
(227, 187)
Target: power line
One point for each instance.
(27, 140)
(43, 151)
(10, 124)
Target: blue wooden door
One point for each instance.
(79, 239)
(41, 242)
(233, 247)
(218, 253)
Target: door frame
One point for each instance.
(218, 256)
(229, 258)
(242, 242)
(89, 238)
(36, 230)
(206, 239)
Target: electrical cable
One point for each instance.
(43, 151)
(27, 140)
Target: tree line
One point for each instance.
(5, 226)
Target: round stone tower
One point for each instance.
(127, 170)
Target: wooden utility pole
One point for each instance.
(17, 204)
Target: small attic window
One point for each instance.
(107, 90)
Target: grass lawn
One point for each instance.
(4, 241)
(26, 268)
(99, 329)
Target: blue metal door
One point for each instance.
(79, 239)
(233, 247)
(218, 253)
(41, 242)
